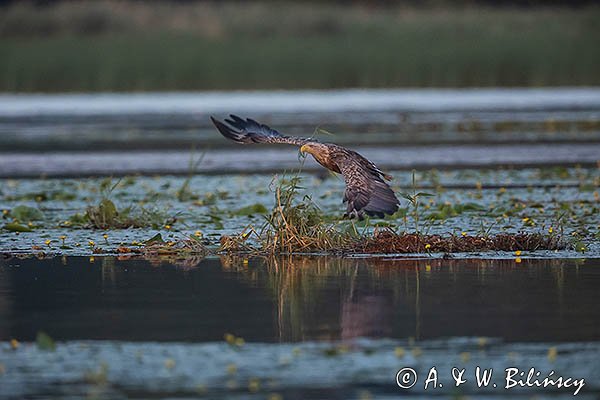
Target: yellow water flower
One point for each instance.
(48, 241)
(518, 260)
(167, 227)
(253, 385)
(427, 246)
(550, 230)
(399, 352)
(231, 369)
(463, 233)
(518, 253)
(14, 344)
(91, 243)
(198, 234)
(229, 338)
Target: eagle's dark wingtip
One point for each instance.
(225, 130)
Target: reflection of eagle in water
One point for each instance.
(366, 190)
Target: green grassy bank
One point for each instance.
(274, 45)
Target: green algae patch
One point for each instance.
(16, 227)
(45, 342)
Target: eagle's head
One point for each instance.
(312, 148)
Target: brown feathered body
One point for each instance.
(366, 189)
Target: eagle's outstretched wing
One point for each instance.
(249, 131)
(366, 190)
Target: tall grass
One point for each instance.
(260, 45)
(295, 226)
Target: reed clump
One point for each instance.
(105, 215)
(131, 45)
(299, 226)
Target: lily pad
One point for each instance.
(251, 210)
(155, 239)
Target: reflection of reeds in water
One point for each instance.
(307, 305)
(300, 287)
(331, 298)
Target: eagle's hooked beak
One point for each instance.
(304, 149)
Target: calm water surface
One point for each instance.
(300, 299)
(116, 134)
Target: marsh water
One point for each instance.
(277, 300)
(312, 327)
(88, 324)
(153, 133)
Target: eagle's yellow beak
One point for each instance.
(304, 149)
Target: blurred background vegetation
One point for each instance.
(55, 46)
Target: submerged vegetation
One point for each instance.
(122, 46)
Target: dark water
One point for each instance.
(300, 299)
